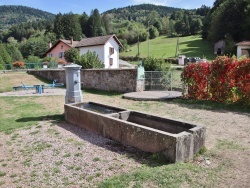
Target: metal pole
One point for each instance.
(148, 38)
(138, 47)
(171, 80)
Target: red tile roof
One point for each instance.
(243, 43)
(95, 41)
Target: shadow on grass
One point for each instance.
(56, 117)
(194, 49)
(101, 92)
(210, 105)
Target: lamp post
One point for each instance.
(138, 46)
(148, 38)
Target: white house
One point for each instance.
(243, 48)
(106, 47)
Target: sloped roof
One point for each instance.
(243, 43)
(67, 42)
(96, 41)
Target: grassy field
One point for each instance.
(164, 47)
(42, 150)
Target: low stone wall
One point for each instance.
(121, 80)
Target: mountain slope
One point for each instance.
(136, 12)
(12, 14)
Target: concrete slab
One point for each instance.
(152, 95)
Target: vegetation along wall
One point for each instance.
(121, 80)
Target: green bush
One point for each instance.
(89, 60)
(71, 55)
(153, 64)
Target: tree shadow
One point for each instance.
(211, 106)
(55, 117)
(146, 158)
(193, 49)
(102, 92)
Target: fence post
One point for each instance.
(171, 80)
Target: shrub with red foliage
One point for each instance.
(195, 77)
(224, 80)
(18, 64)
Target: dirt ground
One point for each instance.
(77, 156)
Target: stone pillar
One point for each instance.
(73, 84)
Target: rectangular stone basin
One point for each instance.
(177, 140)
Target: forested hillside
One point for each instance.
(139, 12)
(11, 15)
(227, 19)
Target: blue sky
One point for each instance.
(80, 6)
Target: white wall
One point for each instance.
(99, 50)
(103, 52)
(239, 48)
(113, 44)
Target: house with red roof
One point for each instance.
(59, 48)
(243, 48)
(106, 47)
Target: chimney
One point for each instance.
(50, 44)
(71, 40)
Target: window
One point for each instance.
(50, 54)
(61, 55)
(110, 61)
(62, 47)
(111, 50)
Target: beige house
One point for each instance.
(243, 48)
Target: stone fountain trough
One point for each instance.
(178, 141)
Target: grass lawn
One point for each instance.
(165, 47)
(42, 150)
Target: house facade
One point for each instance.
(106, 47)
(219, 47)
(243, 48)
(59, 48)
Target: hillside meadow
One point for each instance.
(165, 47)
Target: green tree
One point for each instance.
(106, 18)
(34, 46)
(2, 64)
(14, 52)
(153, 32)
(71, 55)
(4, 54)
(32, 59)
(96, 27)
(84, 23)
(153, 64)
(195, 26)
(58, 26)
(179, 28)
(230, 17)
(71, 26)
(89, 60)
